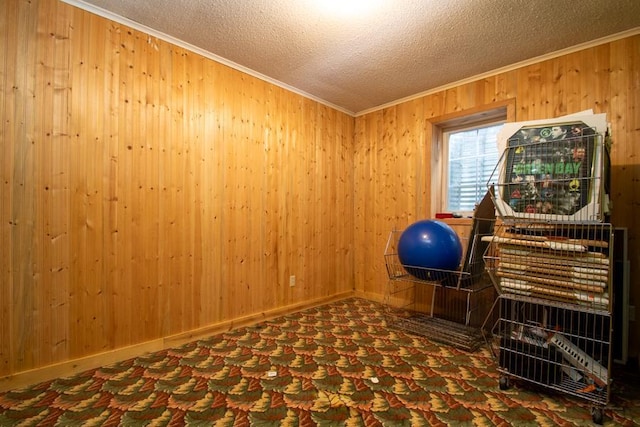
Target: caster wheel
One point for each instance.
(597, 415)
(504, 383)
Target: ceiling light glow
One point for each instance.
(347, 8)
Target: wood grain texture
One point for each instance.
(148, 192)
(602, 78)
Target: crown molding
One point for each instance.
(531, 61)
(162, 36)
(205, 53)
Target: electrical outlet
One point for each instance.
(292, 281)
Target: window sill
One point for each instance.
(456, 221)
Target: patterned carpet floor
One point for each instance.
(334, 365)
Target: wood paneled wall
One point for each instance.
(393, 146)
(147, 191)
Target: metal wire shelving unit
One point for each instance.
(551, 261)
(448, 306)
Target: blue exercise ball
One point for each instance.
(429, 245)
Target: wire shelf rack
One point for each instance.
(448, 306)
(564, 262)
(554, 345)
(469, 272)
(549, 180)
(551, 258)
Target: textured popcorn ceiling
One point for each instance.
(359, 60)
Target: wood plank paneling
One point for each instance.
(26, 270)
(149, 192)
(602, 78)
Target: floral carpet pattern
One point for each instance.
(334, 365)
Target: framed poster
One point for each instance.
(551, 170)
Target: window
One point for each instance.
(472, 158)
(464, 154)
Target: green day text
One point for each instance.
(536, 168)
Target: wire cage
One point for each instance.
(551, 257)
(445, 305)
(554, 345)
(469, 272)
(539, 178)
(564, 262)
(553, 325)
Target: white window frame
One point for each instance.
(502, 111)
(444, 188)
